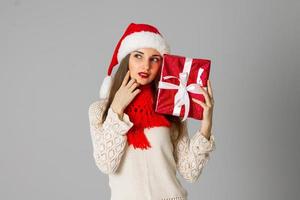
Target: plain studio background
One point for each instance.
(54, 55)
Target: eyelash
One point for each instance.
(136, 55)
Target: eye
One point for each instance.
(137, 56)
(156, 59)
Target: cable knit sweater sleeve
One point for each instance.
(109, 138)
(191, 155)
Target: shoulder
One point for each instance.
(96, 108)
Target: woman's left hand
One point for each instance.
(207, 110)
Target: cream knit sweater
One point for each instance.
(136, 174)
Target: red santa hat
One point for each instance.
(136, 36)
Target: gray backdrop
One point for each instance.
(54, 55)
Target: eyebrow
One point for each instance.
(152, 55)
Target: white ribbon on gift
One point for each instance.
(182, 96)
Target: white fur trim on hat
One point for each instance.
(105, 87)
(142, 39)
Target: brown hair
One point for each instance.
(117, 80)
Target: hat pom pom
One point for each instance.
(105, 87)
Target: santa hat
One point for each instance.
(135, 36)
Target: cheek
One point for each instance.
(133, 67)
(157, 68)
(156, 71)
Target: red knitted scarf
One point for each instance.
(141, 113)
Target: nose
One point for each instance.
(146, 65)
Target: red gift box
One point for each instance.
(179, 82)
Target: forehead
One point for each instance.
(148, 51)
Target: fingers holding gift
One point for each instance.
(210, 92)
(203, 105)
(206, 96)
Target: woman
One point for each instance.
(139, 149)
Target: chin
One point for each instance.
(143, 81)
(148, 81)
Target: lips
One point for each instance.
(144, 75)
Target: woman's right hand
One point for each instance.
(125, 94)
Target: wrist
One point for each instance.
(206, 127)
(206, 130)
(117, 109)
(205, 134)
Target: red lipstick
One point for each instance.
(143, 74)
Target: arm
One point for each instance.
(191, 155)
(109, 139)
